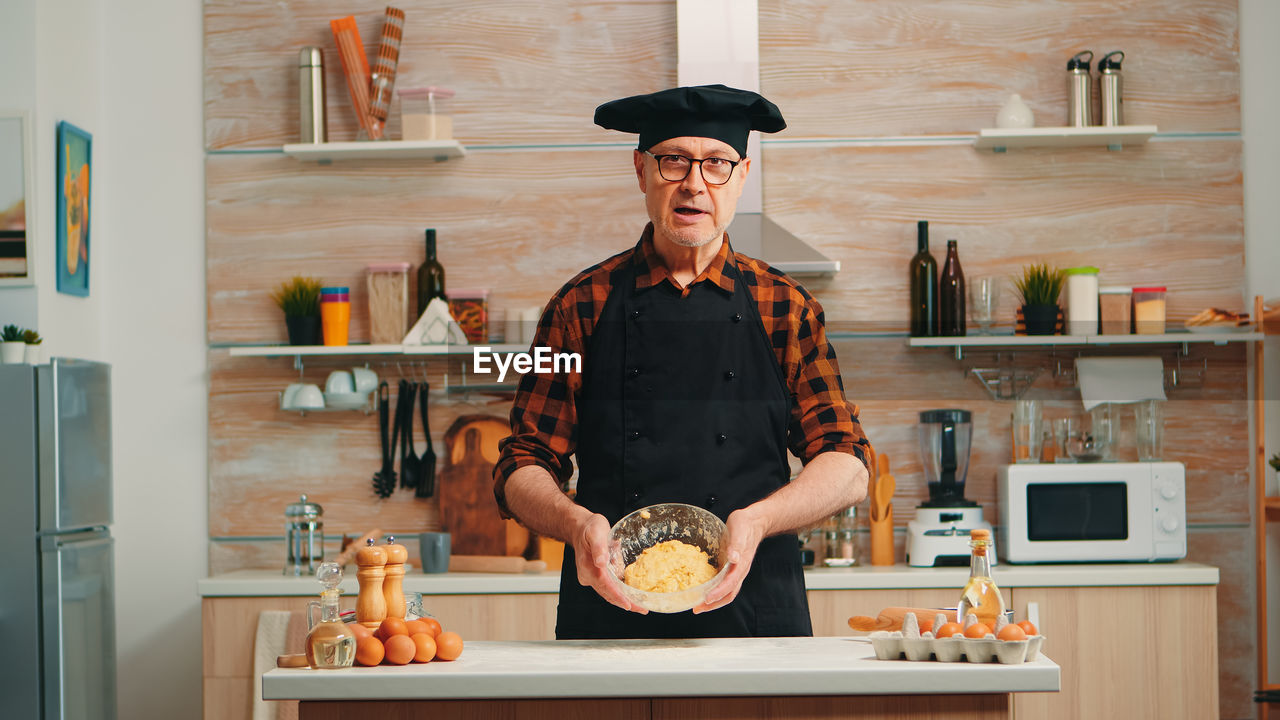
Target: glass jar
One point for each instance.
(840, 538)
(418, 117)
(1082, 300)
(1149, 310)
(1113, 310)
(388, 285)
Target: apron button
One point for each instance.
(634, 372)
(721, 438)
(635, 314)
(636, 495)
(634, 434)
(711, 500)
(737, 317)
(729, 375)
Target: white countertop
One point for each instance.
(679, 668)
(270, 583)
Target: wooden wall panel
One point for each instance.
(524, 72)
(871, 67)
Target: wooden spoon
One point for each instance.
(882, 493)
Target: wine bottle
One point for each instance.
(430, 275)
(951, 295)
(924, 283)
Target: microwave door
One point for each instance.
(1086, 520)
(78, 626)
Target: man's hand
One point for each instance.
(591, 553)
(742, 536)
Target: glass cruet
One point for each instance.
(330, 643)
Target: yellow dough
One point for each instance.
(668, 567)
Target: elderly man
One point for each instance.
(701, 368)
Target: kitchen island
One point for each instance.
(820, 677)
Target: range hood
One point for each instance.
(732, 57)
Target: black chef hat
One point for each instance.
(714, 111)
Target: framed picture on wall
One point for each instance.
(16, 186)
(72, 257)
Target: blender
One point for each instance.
(939, 534)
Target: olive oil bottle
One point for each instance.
(981, 596)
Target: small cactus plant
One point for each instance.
(31, 337)
(11, 333)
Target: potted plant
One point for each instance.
(32, 340)
(299, 298)
(12, 346)
(1039, 288)
(1275, 465)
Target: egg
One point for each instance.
(360, 631)
(369, 651)
(426, 647)
(977, 631)
(391, 626)
(1011, 632)
(400, 649)
(413, 627)
(433, 626)
(448, 646)
(1029, 628)
(948, 629)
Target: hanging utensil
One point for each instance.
(410, 465)
(384, 481)
(427, 465)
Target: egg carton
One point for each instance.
(895, 646)
(912, 644)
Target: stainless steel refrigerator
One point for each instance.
(57, 588)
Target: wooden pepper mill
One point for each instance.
(393, 586)
(371, 606)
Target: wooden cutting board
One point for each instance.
(464, 487)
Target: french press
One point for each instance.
(304, 533)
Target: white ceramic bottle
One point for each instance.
(1015, 114)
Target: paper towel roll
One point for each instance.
(1119, 379)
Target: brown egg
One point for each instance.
(448, 646)
(977, 631)
(1011, 632)
(391, 626)
(360, 631)
(433, 626)
(400, 649)
(426, 647)
(413, 627)
(948, 629)
(369, 651)
(1029, 628)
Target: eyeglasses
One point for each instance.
(675, 168)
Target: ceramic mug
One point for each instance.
(434, 548)
(290, 395)
(340, 382)
(307, 397)
(366, 380)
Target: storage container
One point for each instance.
(1148, 310)
(335, 314)
(388, 285)
(1082, 300)
(1113, 310)
(419, 116)
(470, 309)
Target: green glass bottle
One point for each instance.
(430, 275)
(924, 286)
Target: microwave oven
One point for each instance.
(1092, 512)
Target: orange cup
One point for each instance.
(335, 318)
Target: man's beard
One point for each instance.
(686, 237)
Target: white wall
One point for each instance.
(130, 72)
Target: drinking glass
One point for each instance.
(1028, 431)
(1149, 429)
(984, 297)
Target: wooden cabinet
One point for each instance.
(1125, 652)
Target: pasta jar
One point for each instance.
(1148, 310)
(1082, 300)
(388, 285)
(1113, 309)
(470, 309)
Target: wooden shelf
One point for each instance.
(320, 350)
(325, 153)
(1112, 137)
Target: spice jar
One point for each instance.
(470, 309)
(839, 539)
(1149, 310)
(388, 302)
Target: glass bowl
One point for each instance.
(655, 524)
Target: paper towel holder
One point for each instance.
(1192, 375)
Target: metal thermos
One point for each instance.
(311, 119)
(304, 534)
(1079, 110)
(1111, 88)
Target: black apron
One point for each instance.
(683, 401)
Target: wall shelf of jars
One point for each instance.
(1113, 137)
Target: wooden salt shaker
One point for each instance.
(371, 606)
(393, 586)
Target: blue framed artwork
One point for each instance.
(72, 258)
